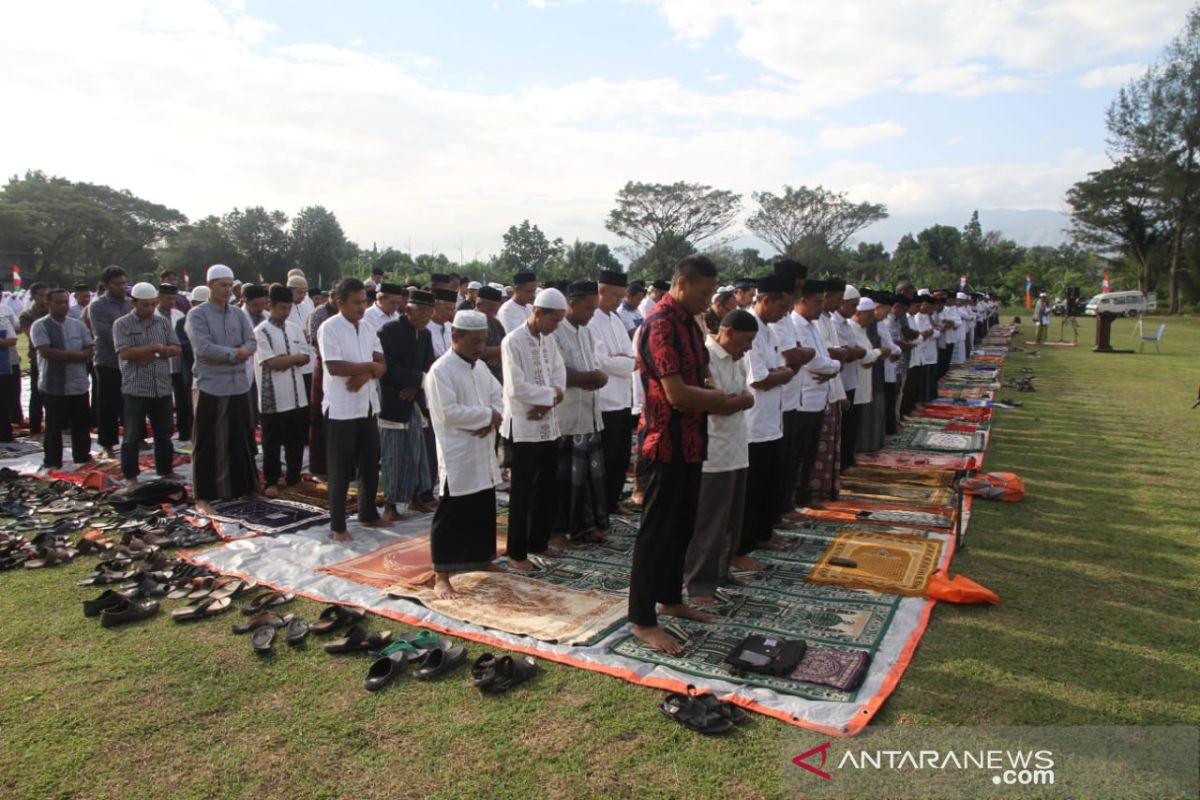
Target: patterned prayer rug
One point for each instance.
(918, 438)
(827, 666)
(885, 562)
(402, 562)
(19, 448)
(871, 491)
(908, 477)
(917, 459)
(527, 607)
(269, 516)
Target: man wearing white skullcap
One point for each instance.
(145, 343)
(465, 404)
(535, 381)
(223, 341)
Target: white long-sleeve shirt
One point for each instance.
(462, 397)
(614, 354)
(814, 394)
(858, 334)
(533, 368)
(512, 315)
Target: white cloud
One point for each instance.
(836, 54)
(1106, 77)
(851, 138)
(954, 140)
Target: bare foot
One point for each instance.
(550, 552)
(341, 536)
(656, 638)
(205, 508)
(705, 600)
(442, 590)
(271, 491)
(594, 536)
(391, 514)
(376, 523)
(561, 542)
(685, 611)
(522, 564)
(747, 564)
(108, 452)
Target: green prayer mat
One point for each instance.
(940, 441)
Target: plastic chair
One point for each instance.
(1156, 338)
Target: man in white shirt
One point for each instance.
(869, 437)
(614, 355)
(353, 363)
(853, 351)
(827, 468)
(767, 374)
(535, 382)
(282, 400)
(743, 292)
(383, 310)
(657, 290)
(719, 517)
(516, 310)
(439, 324)
(582, 510)
(816, 378)
(795, 355)
(302, 306)
(465, 405)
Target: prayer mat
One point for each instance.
(843, 670)
(1052, 344)
(899, 513)
(704, 650)
(402, 563)
(872, 492)
(916, 459)
(520, 605)
(915, 519)
(910, 477)
(917, 438)
(316, 493)
(886, 562)
(269, 516)
(19, 449)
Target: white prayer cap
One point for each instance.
(550, 299)
(369, 284)
(922, 291)
(476, 285)
(297, 282)
(144, 291)
(851, 293)
(963, 296)
(499, 287)
(470, 321)
(218, 271)
(200, 294)
(296, 271)
(866, 304)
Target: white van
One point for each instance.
(1127, 304)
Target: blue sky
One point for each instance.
(444, 123)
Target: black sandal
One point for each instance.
(694, 714)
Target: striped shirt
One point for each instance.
(144, 380)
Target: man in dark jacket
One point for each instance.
(408, 353)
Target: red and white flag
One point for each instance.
(1104, 284)
(16, 277)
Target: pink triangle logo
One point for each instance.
(800, 761)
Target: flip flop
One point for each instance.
(694, 715)
(201, 609)
(266, 618)
(729, 711)
(267, 600)
(263, 639)
(334, 617)
(357, 640)
(297, 631)
(384, 670)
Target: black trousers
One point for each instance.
(943, 365)
(136, 411)
(286, 430)
(66, 412)
(762, 482)
(430, 454)
(10, 397)
(109, 408)
(789, 462)
(668, 520)
(533, 498)
(351, 443)
(850, 419)
(35, 398)
(808, 439)
(8, 384)
(890, 391)
(930, 384)
(617, 443)
(183, 405)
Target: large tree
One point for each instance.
(1155, 122)
(318, 243)
(663, 220)
(810, 224)
(262, 242)
(526, 247)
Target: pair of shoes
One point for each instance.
(491, 674)
(262, 639)
(702, 713)
(334, 617)
(116, 608)
(357, 640)
(430, 657)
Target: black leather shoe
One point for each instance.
(110, 599)
(127, 611)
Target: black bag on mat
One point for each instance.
(765, 655)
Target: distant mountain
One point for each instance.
(1036, 227)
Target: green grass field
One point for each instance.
(1099, 624)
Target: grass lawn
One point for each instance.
(1099, 624)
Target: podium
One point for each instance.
(1104, 323)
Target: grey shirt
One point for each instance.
(75, 338)
(216, 333)
(102, 313)
(144, 380)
